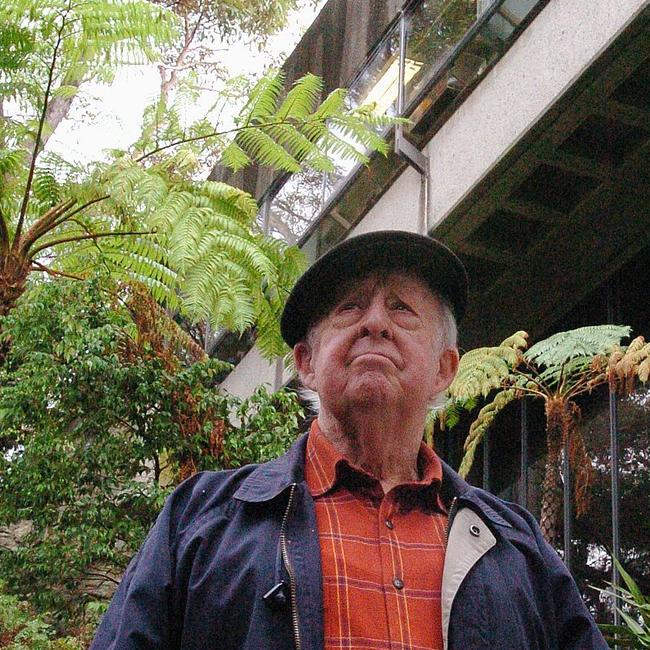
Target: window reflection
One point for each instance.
(328, 233)
(434, 28)
(296, 205)
(433, 79)
(377, 85)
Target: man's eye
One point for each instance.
(346, 306)
(401, 306)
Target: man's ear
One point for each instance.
(302, 361)
(447, 368)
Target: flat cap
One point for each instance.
(356, 258)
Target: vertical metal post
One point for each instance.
(402, 66)
(523, 472)
(613, 443)
(486, 461)
(404, 147)
(423, 226)
(266, 215)
(566, 470)
(279, 374)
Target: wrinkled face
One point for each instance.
(378, 345)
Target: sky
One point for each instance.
(110, 116)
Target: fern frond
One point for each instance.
(482, 423)
(518, 341)
(332, 105)
(580, 342)
(570, 370)
(628, 365)
(301, 99)
(448, 414)
(46, 188)
(482, 370)
(234, 157)
(266, 150)
(263, 100)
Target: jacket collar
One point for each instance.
(270, 479)
(475, 498)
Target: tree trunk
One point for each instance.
(552, 497)
(13, 281)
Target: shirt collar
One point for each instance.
(326, 467)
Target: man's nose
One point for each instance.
(376, 321)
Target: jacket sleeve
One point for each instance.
(575, 626)
(140, 613)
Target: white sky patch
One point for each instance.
(110, 116)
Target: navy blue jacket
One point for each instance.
(233, 562)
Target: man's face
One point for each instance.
(380, 345)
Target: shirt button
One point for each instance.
(389, 524)
(397, 583)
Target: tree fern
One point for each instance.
(144, 215)
(297, 130)
(557, 370)
(301, 99)
(629, 364)
(481, 424)
(581, 342)
(482, 370)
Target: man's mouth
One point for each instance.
(374, 356)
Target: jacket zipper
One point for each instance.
(287, 563)
(452, 513)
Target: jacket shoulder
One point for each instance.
(204, 493)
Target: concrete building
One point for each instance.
(528, 154)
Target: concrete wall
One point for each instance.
(398, 209)
(252, 371)
(556, 49)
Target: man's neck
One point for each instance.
(386, 449)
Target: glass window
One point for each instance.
(434, 27)
(634, 463)
(296, 205)
(377, 84)
(327, 233)
(591, 538)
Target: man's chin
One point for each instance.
(370, 388)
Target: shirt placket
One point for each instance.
(393, 574)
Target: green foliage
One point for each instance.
(586, 342)
(98, 418)
(143, 215)
(83, 40)
(559, 367)
(299, 131)
(634, 608)
(481, 424)
(482, 370)
(266, 427)
(22, 629)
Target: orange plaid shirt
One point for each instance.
(382, 555)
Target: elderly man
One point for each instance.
(358, 537)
